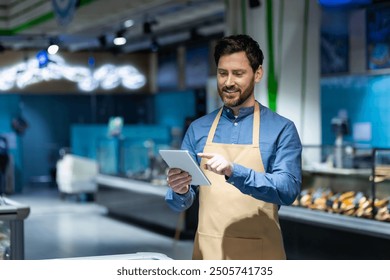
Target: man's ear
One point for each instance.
(259, 74)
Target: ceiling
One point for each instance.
(32, 24)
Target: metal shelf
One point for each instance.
(338, 171)
(131, 185)
(336, 221)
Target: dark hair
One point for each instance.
(238, 43)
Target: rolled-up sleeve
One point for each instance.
(179, 202)
(282, 183)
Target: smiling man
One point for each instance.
(252, 157)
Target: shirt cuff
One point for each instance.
(178, 202)
(170, 195)
(239, 175)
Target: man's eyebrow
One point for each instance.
(234, 70)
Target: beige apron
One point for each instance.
(233, 225)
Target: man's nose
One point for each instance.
(229, 81)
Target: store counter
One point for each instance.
(131, 185)
(334, 221)
(143, 203)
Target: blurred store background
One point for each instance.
(84, 122)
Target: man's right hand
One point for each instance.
(179, 180)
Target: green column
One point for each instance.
(272, 82)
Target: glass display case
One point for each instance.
(130, 158)
(142, 161)
(339, 180)
(108, 155)
(12, 216)
(381, 184)
(5, 239)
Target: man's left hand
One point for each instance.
(217, 164)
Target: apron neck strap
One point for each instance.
(255, 131)
(256, 125)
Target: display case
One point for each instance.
(339, 180)
(380, 181)
(335, 215)
(12, 216)
(131, 158)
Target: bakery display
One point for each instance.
(358, 187)
(348, 203)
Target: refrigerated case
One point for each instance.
(380, 182)
(131, 158)
(335, 215)
(12, 216)
(347, 188)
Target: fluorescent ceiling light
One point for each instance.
(128, 23)
(53, 49)
(119, 41)
(107, 77)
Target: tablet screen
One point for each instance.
(183, 160)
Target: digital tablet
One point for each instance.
(183, 160)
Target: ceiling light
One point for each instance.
(119, 40)
(106, 77)
(53, 49)
(53, 46)
(128, 23)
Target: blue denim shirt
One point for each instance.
(280, 149)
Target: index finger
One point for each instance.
(206, 155)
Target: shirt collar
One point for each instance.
(242, 113)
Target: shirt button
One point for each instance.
(235, 124)
(182, 205)
(232, 183)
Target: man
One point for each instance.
(252, 157)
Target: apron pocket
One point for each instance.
(234, 248)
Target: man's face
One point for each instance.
(236, 80)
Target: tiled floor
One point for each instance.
(67, 228)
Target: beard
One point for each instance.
(234, 97)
